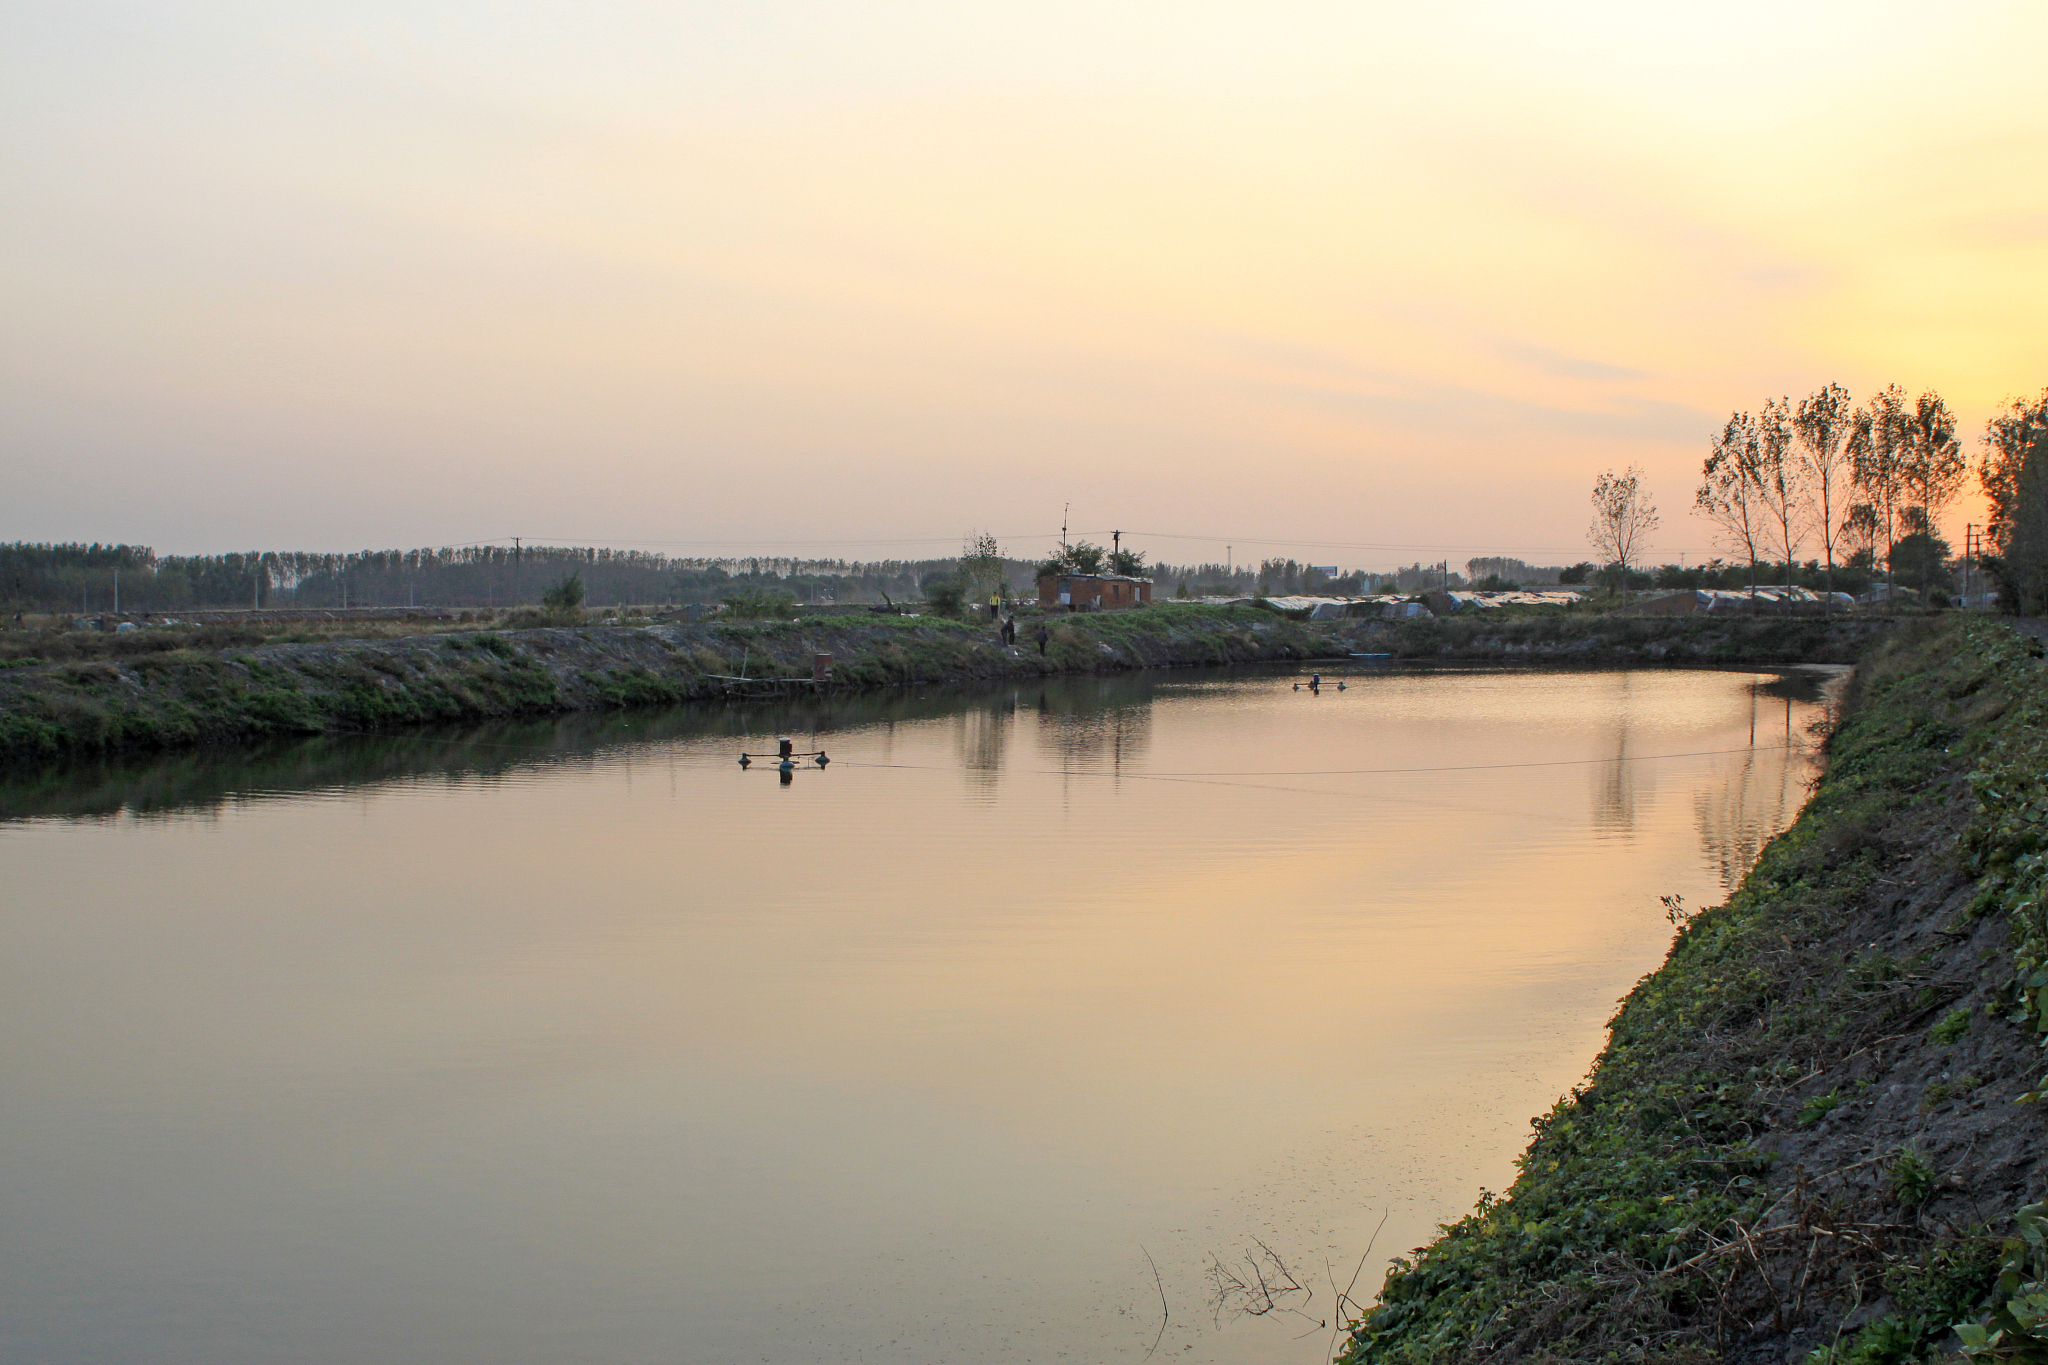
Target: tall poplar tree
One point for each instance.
(1877, 451)
(1932, 466)
(1730, 493)
(1780, 481)
(1821, 429)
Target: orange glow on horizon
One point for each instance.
(1396, 280)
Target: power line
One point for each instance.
(1283, 542)
(766, 544)
(1336, 772)
(1436, 546)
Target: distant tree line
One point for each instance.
(1208, 579)
(1499, 574)
(1272, 577)
(1291, 578)
(86, 578)
(93, 578)
(1287, 578)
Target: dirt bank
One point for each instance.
(1813, 1135)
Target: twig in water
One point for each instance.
(1344, 1295)
(1164, 1315)
(1266, 1291)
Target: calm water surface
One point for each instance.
(575, 1043)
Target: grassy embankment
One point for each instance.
(1813, 1134)
(151, 690)
(160, 699)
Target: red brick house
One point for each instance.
(1093, 591)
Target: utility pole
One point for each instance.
(1968, 527)
(1065, 507)
(1116, 545)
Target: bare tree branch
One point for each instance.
(1623, 519)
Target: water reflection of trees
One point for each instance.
(1738, 815)
(206, 778)
(1089, 717)
(1614, 787)
(981, 737)
(1614, 783)
(1741, 814)
(1097, 729)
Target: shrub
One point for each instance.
(944, 595)
(760, 604)
(566, 596)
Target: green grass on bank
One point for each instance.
(156, 691)
(155, 698)
(1645, 1223)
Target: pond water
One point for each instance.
(1047, 1023)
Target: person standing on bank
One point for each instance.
(1043, 636)
(995, 605)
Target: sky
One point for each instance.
(1357, 283)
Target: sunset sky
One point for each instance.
(1359, 283)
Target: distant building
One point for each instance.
(1093, 591)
